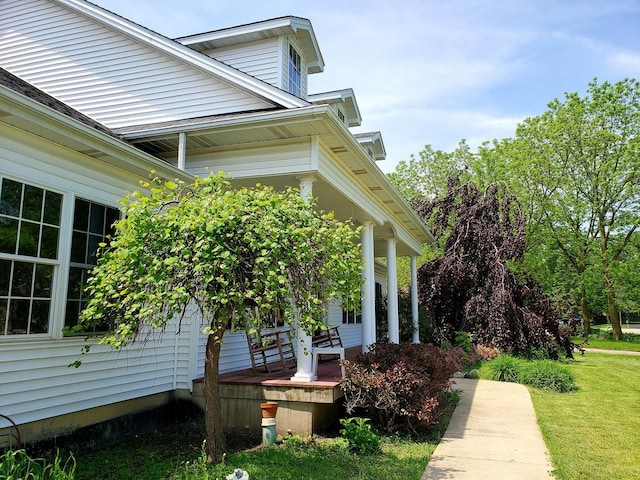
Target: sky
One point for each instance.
(433, 72)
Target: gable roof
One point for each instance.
(186, 55)
(373, 140)
(251, 32)
(346, 97)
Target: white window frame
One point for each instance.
(295, 82)
(37, 260)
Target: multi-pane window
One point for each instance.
(349, 316)
(92, 223)
(295, 69)
(29, 231)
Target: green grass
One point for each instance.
(326, 459)
(592, 433)
(611, 345)
(602, 339)
(163, 455)
(323, 459)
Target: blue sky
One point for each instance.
(434, 71)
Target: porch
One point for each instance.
(304, 407)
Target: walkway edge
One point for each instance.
(493, 433)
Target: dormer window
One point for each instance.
(295, 67)
(341, 116)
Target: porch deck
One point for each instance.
(304, 408)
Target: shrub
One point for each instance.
(400, 386)
(485, 353)
(547, 375)
(357, 432)
(505, 368)
(543, 374)
(463, 340)
(16, 464)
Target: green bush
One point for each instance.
(463, 340)
(16, 464)
(547, 375)
(543, 374)
(505, 368)
(357, 432)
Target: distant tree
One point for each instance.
(426, 177)
(471, 287)
(214, 247)
(577, 167)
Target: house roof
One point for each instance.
(346, 97)
(186, 55)
(206, 134)
(255, 31)
(373, 140)
(290, 119)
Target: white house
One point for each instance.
(90, 103)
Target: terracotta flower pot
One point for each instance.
(269, 410)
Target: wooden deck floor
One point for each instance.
(304, 407)
(329, 374)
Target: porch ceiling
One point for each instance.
(216, 134)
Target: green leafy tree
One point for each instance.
(578, 166)
(426, 177)
(217, 248)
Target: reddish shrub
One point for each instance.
(400, 386)
(485, 353)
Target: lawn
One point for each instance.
(163, 455)
(602, 339)
(321, 459)
(594, 433)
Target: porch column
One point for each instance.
(414, 299)
(304, 360)
(368, 288)
(182, 150)
(392, 292)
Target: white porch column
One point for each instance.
(414, 299)
(304, 372)
(182, 150)
(368, 288)
(392, 293)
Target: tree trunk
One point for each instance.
(215, 445)
(614, 317)
(608, 283)
(586, 323)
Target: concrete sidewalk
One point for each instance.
(493, 434)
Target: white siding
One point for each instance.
(254, 162)
(351, 335)
(105, 74)
(259, 59)
(35, 380)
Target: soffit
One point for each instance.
(259, 128)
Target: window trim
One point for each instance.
(54, 299)
(293, 87)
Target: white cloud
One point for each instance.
(626, 63)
